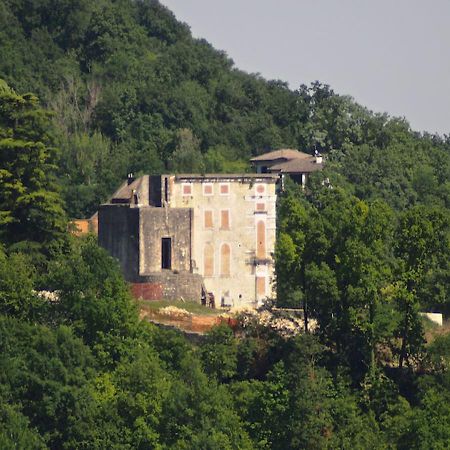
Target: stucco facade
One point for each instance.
(216, 228)
(234, 231)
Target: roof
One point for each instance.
(141, 186)
(286, 153)
(124, 193)
(225, 176)
(298, 166)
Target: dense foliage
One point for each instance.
(124, 87)
(30, 207)
(79, 370)
(131, 90)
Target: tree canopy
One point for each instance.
(131, 90)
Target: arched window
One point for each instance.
(208, 260)
(261, 240)
(225, 253)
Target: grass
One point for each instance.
(192, 307)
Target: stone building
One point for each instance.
(298, 165)
(175, 235)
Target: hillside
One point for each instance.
(132, 90)
(92, 90)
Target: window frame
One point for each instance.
(221, 227)
(190, 186)
(205, 185)
(227, 185)
(204, 219)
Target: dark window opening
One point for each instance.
(166, 190)
(264, 169)
(166, 253)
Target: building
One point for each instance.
(297, 165)
(178, 235)
(85, 226)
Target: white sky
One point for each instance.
(390, 55)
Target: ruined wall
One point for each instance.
(133, 235)
(167, 285)
(119, 235)
(158, 223)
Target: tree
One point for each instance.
(187, 156)
(93, 296)
(219, 353)
(30, 206)
(422, 240)
(17, 295)
(199, 413)
(15, 431)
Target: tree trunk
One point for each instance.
(403, 354)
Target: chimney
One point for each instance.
(130, 178)
(318, 156)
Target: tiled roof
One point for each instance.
(124, 193)
(297, 166)
(286, 153)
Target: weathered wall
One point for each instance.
(133, 235)
(119, 235)
(250, 200)
(85, 226)
(167, 285)
(225, 235)
(80, 226)
(158, 223)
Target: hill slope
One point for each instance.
(131, 90)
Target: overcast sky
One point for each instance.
(390, 55)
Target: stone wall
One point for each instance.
(219, 228)
(158, 223)
(168, 285)
(119, 235)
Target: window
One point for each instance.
(225, 260)
(260, 207)
(261, 240)
(166, 253)
(208, 189)
(208, 260)
(166, 190)
(260, 189)
(224, 188)
(225, 219)
(261, 286)
(187, 188)
(208, 219)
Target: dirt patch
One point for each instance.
(432, 333)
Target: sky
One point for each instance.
(390, 55)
